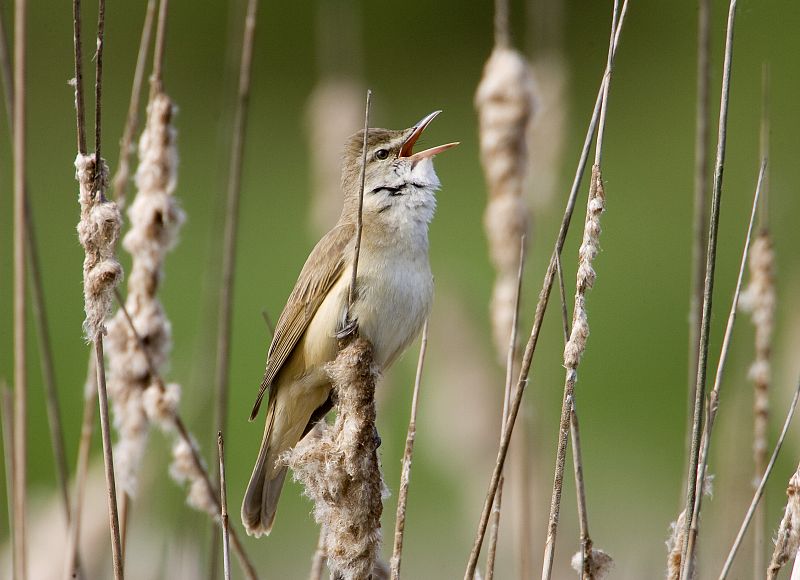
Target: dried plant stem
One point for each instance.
(318, 560)
(351, 296)
(37, 294)
(541, 307)
(78, 80)
(700, 212)
(713, 399)
(408, 454)
(183, 433)
(708, 290)
(512, 351)
(232, 220)
(105, 429)
(81, 473)
(20, 422)
(223, 498)
(122, 175)
(585, 278)
(726, 568)
(7, 417)
(233, 195)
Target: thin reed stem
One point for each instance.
(408, 454)
(121, 177)
(584, 282)
(318, 560)
(7, 417)
(233, 196)
(156, 77)
(502, 37)
(713, 399)
(71, 565)
(105, 428)
(223, 499)
(700, 212)
(20, 462)
(708, 290)
(80, 108)
(587, 566)
(37, 294)
(511, 354)
(541, 307)
(726, 568)
(351, 296)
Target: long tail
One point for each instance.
(264, 490)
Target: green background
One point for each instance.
(417, 57)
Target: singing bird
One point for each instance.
(394, 293)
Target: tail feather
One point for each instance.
(263, 491)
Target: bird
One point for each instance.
(394, 295)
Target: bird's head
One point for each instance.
(396, 178)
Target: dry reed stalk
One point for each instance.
(20, 423)
(7, 418)
(713, 400)
(700, 210)
(38, 305)
(408, 454)
(339, 466)
(708, 290)
(319, 558)
(576, 345)
(223, 500)
(122, 175)
(541, 307)
(72, 560)
(98, 230)
(760, 490)
(510, 357)
(228, 266)
(788, 536)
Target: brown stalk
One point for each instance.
(7, 417)
(225, 305)
(20, 422)
(408, 454)
(726, 568)
(713, 399)
(319, 558)
(223, 499)
(122, 175)
(81, 473)
(786, 538)
(700, 212)
(512, 351)
(351, 295)
(232, 218)
(708, 290)
(584, 282)
(247, 567)
(37, 294)
(541, 307)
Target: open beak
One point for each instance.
(407, 150)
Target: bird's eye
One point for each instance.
(381, 154)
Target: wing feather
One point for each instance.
(322, 268)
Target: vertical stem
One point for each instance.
(78, 80)
(81, 472)
(580, 491)
(223, 498)
(408, 454)
(225, 306)
(105, 427)
(318, 561)
(120, 181)
(360, 222)
(20, 331)
(156, 78)
(708, 290)
(701, 182)
(502, 37)
(7, 418)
